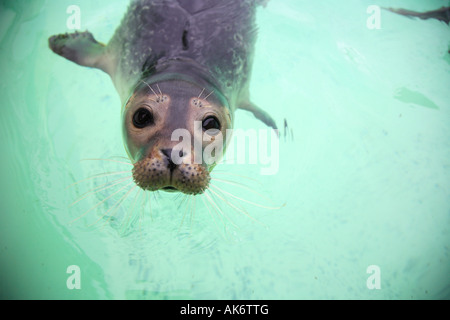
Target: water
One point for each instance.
(364, 169)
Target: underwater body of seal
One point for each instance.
(358, 209)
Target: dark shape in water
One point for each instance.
(442, 14)
(410, 96)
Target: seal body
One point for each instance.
(177, 65)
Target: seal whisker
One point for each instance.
(243, 186)
(141, 212)
(209, 211)
(209, 200)
(219, 211)
(226, 160)
(184, 214)
(201, 93)
(160, 92)
(249, 202)
(114, 208)
(191, 206)
(178, 196)
(121, 157)
(107, 160)
(99, 203)
(237, 175)
(150, 205)
(130, 211)
(185, 196)
(234, 206)
(97, 176)
(152, 91)
(192, 213)
(207, 206)
(206, 98)
(95, 190)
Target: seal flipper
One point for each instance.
(82, 49)
(441, 14)
(259, 114)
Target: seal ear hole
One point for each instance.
(212, 124)
(143, 118)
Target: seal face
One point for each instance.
(181, 68)
(153, 115)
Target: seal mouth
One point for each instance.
(170, 189)
(153, 174)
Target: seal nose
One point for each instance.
(168, 154)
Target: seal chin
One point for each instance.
(154, 174)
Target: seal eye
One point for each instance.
(211, 123)
(142, 118)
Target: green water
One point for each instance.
(364, 169)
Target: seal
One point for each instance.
(175, 63)
(441, 14)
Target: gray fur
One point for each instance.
(216, 37)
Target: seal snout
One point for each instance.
(161, 171)
(171, 165)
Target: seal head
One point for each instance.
(168, 124)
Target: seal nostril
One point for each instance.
(168, 154)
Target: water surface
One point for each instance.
(364, 167)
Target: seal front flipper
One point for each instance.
(259, 114)
(82, 49)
